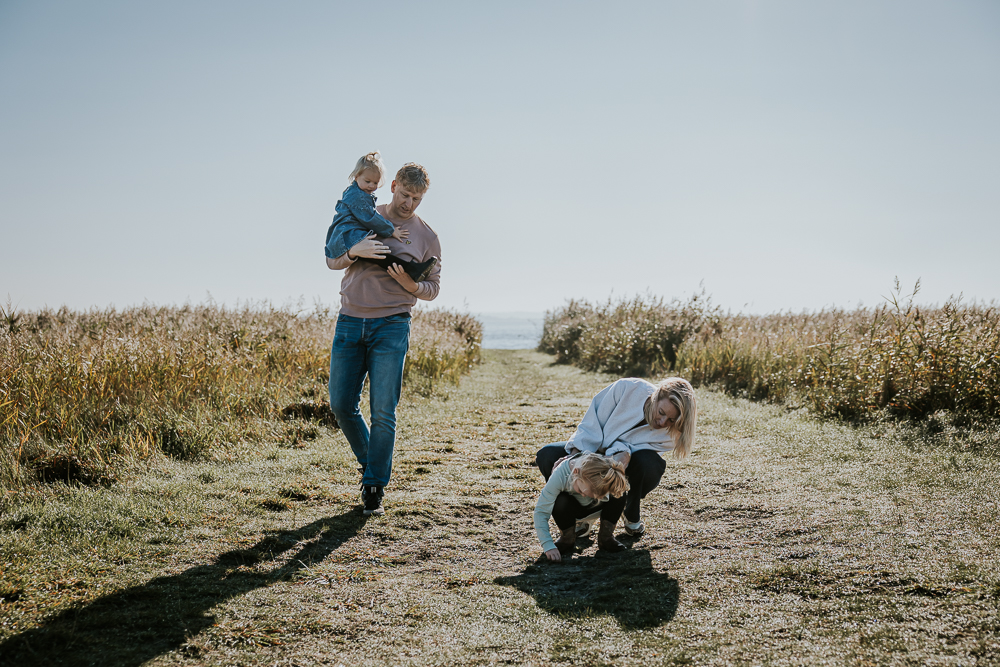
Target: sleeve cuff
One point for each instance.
(617, 448)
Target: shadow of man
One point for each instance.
(142, 622)
(624, 586)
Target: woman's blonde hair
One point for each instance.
(679, 392)
(602, 474)
(369, 161)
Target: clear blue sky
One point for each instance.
(789, 155)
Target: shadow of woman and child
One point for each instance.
(626, 587)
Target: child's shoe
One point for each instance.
(606, 538)
(566, 541)
(420, 270)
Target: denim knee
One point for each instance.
(384, 417)
(343, 405)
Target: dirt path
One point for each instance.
(779, 541)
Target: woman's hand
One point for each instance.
(402, 277)
(554, 555)
(559, 463)
(369, 247)
(623, 458)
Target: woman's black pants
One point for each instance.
(644, 471)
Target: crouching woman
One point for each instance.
(581, 485)
(631, 421)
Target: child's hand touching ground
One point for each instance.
(401, 234)
(554, 555)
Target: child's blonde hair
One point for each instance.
(602, 474)
(369, 161)
(679, 392)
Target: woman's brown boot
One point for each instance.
(606, 538)
(567, 540)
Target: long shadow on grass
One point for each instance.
(142, 622)
(624, 586)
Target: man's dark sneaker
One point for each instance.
(420, 270)
(371, 496)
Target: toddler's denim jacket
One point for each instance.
(356, 217)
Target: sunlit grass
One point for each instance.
(83, 395)
(898, 359)
(781, 540)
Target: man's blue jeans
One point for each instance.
(376, 348)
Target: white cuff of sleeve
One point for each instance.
(617, 449)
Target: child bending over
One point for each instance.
(577, 488)
(356, 219)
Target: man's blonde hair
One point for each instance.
(679, 392)
(602, 474)
(369, 161)
(413, 176)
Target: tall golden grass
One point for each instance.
(84, 394)
(630, 337)
(444, 345)
(898, 359)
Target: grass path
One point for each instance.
(781, 540)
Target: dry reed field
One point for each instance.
(935, 365)
(782, 540)
(87, 396)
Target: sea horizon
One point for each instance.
(511, 330)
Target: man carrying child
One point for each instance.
(373, 330)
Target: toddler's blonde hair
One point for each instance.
(369, 161)
(679, 392)
(603, 474)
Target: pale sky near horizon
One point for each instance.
(785, 155)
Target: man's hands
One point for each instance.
(403, 278)
(554, 555)
(369, 247)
